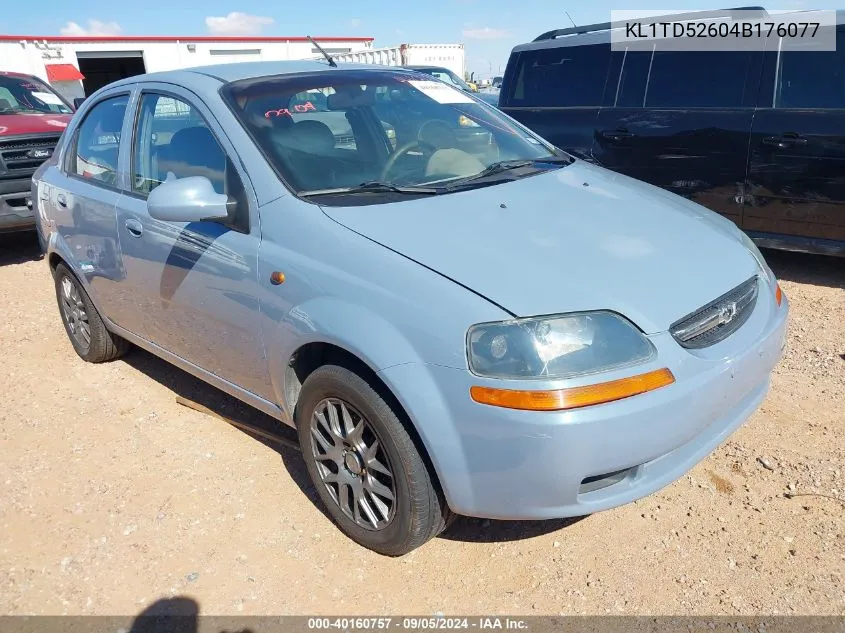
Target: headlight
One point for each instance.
(561, 346)
(761, 261)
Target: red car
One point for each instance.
(32, 118)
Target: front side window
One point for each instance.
(98, 141)
(811, 78)
(341, 129)
(172, 140)
(28, 95)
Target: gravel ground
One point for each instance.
(113, 496)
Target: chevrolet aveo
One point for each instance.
(456, 316)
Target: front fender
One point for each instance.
(356, 329)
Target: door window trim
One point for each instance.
(70, 150)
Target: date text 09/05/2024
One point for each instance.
(416, 623)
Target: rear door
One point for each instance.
(83, 195)
(681, 120)
(191, 288)
(557, 92)
(797, 160)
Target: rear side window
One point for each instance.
(98, 141)
(561, 77)
(698, 79)
(811, 79)
(633, 79)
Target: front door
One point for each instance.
(191, 288)
(681, 121)
(797, 160)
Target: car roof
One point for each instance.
(9, 73)
(226, 73)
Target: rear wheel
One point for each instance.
(366, 468)
(84, 327)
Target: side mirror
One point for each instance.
(190, 199)
(78, 102)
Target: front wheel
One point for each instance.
(366, 468)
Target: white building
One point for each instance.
(76, 66)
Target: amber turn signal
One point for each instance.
(574, 397)
(779, 295)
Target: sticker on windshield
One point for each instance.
(441, 92)
(298, 108)
(47, 97)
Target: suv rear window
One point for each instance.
(561, 77)
(811, 79)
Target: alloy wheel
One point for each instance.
(75, 314)
(352, 464)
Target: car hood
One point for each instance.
(575, 238)
(33, 123)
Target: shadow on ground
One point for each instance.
(817, 270)
(19, 248)
(184, 384)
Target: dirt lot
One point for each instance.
(112, 496)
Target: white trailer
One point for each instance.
(449, 56)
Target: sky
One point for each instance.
(489, 29)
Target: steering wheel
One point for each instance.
(427, 148)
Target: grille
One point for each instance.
(718, 319)
(15, 154)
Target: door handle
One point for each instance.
(134, 227)
(616, 135)
(785, 141)
(61, 200)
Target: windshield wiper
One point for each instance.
(508, 165)
(374, 186)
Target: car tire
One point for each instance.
(368, 441)
(89, 336)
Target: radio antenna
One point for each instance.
(570, 18)
(328, 57)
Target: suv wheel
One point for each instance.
(364, 464)
(84, 327)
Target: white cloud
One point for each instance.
(237, 23)
(95, 27)
(355, 23)
(485, 33)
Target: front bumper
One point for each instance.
(506, 464)
(16, 212)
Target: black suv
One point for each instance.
(757, 136)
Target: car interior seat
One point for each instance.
(193, 151)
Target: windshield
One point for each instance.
(336, 130)
(27, 94)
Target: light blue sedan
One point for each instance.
(457, 317)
